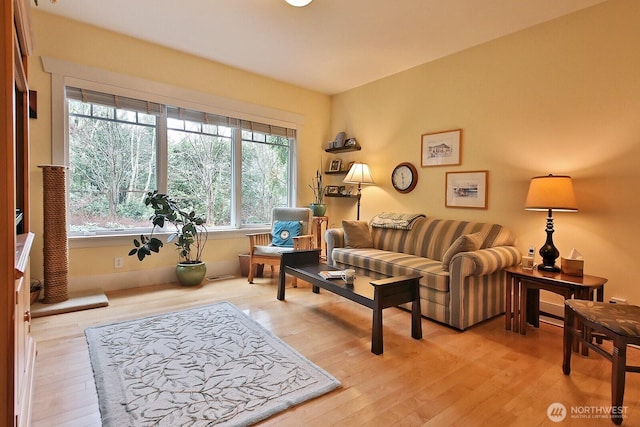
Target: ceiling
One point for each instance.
(329, 46)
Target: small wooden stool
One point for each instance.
(619, 323)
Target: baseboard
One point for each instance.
(555, 311)
(139, 278)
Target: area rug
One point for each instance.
(206, 366)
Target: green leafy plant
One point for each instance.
(190, 231)
(318, 188)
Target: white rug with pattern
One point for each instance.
(211, 365)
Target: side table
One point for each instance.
(522, 295)
(317, 230)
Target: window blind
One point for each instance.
(179, 113)
(117, 101)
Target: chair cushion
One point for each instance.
(623, 319)
(271, 251)
(284, 231)
(356, 234)
(464, 243)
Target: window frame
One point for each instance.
(65, 73)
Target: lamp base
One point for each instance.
(549, 268)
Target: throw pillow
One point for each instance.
(356, 234)
(284, 231)
(464, 243)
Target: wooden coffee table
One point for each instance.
(375, 294)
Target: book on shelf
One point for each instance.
(333, 274)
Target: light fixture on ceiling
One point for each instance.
(299, 3)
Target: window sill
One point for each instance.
(96, 241)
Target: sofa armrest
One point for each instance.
(484, 261)
(334, 238)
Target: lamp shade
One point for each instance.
(551, 192)
(298, 3)
(359, 174)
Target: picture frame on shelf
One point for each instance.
(335, 165)
(333, 189)
(441, 148)
(466, 189)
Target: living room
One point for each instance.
(560, 97)
(548, 99)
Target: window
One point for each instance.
(121, 148)
(265, 175)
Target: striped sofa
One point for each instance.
(472, 290)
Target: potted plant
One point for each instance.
(190, 237)
(318, 207)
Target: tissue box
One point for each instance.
(572, 267)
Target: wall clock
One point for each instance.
(404, 177)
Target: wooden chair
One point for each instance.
(261, 247)
(589, 321)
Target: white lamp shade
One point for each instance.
(298, 3)
(359, 174)
(551, 192)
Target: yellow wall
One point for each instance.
(86, 45)
(562, 97)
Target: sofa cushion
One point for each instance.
(464, 243)
(356, 234)
(394, 264)
(284, 232)
(432, 237)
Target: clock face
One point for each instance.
(404, 177)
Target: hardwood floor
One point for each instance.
(483, 376)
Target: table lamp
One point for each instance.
(550, 193)
(359, 174)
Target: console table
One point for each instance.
(522, 295)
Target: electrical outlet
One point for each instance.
(118, 262)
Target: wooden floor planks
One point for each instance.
(483, 376)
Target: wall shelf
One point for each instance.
(336, 172)
(343, 196)
(343, 149)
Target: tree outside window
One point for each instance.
(119, 153)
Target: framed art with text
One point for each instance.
(441, 148)
(466, 189)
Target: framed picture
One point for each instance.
(333, 189)
(334, 166)
(466, 189)
(441, 148)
